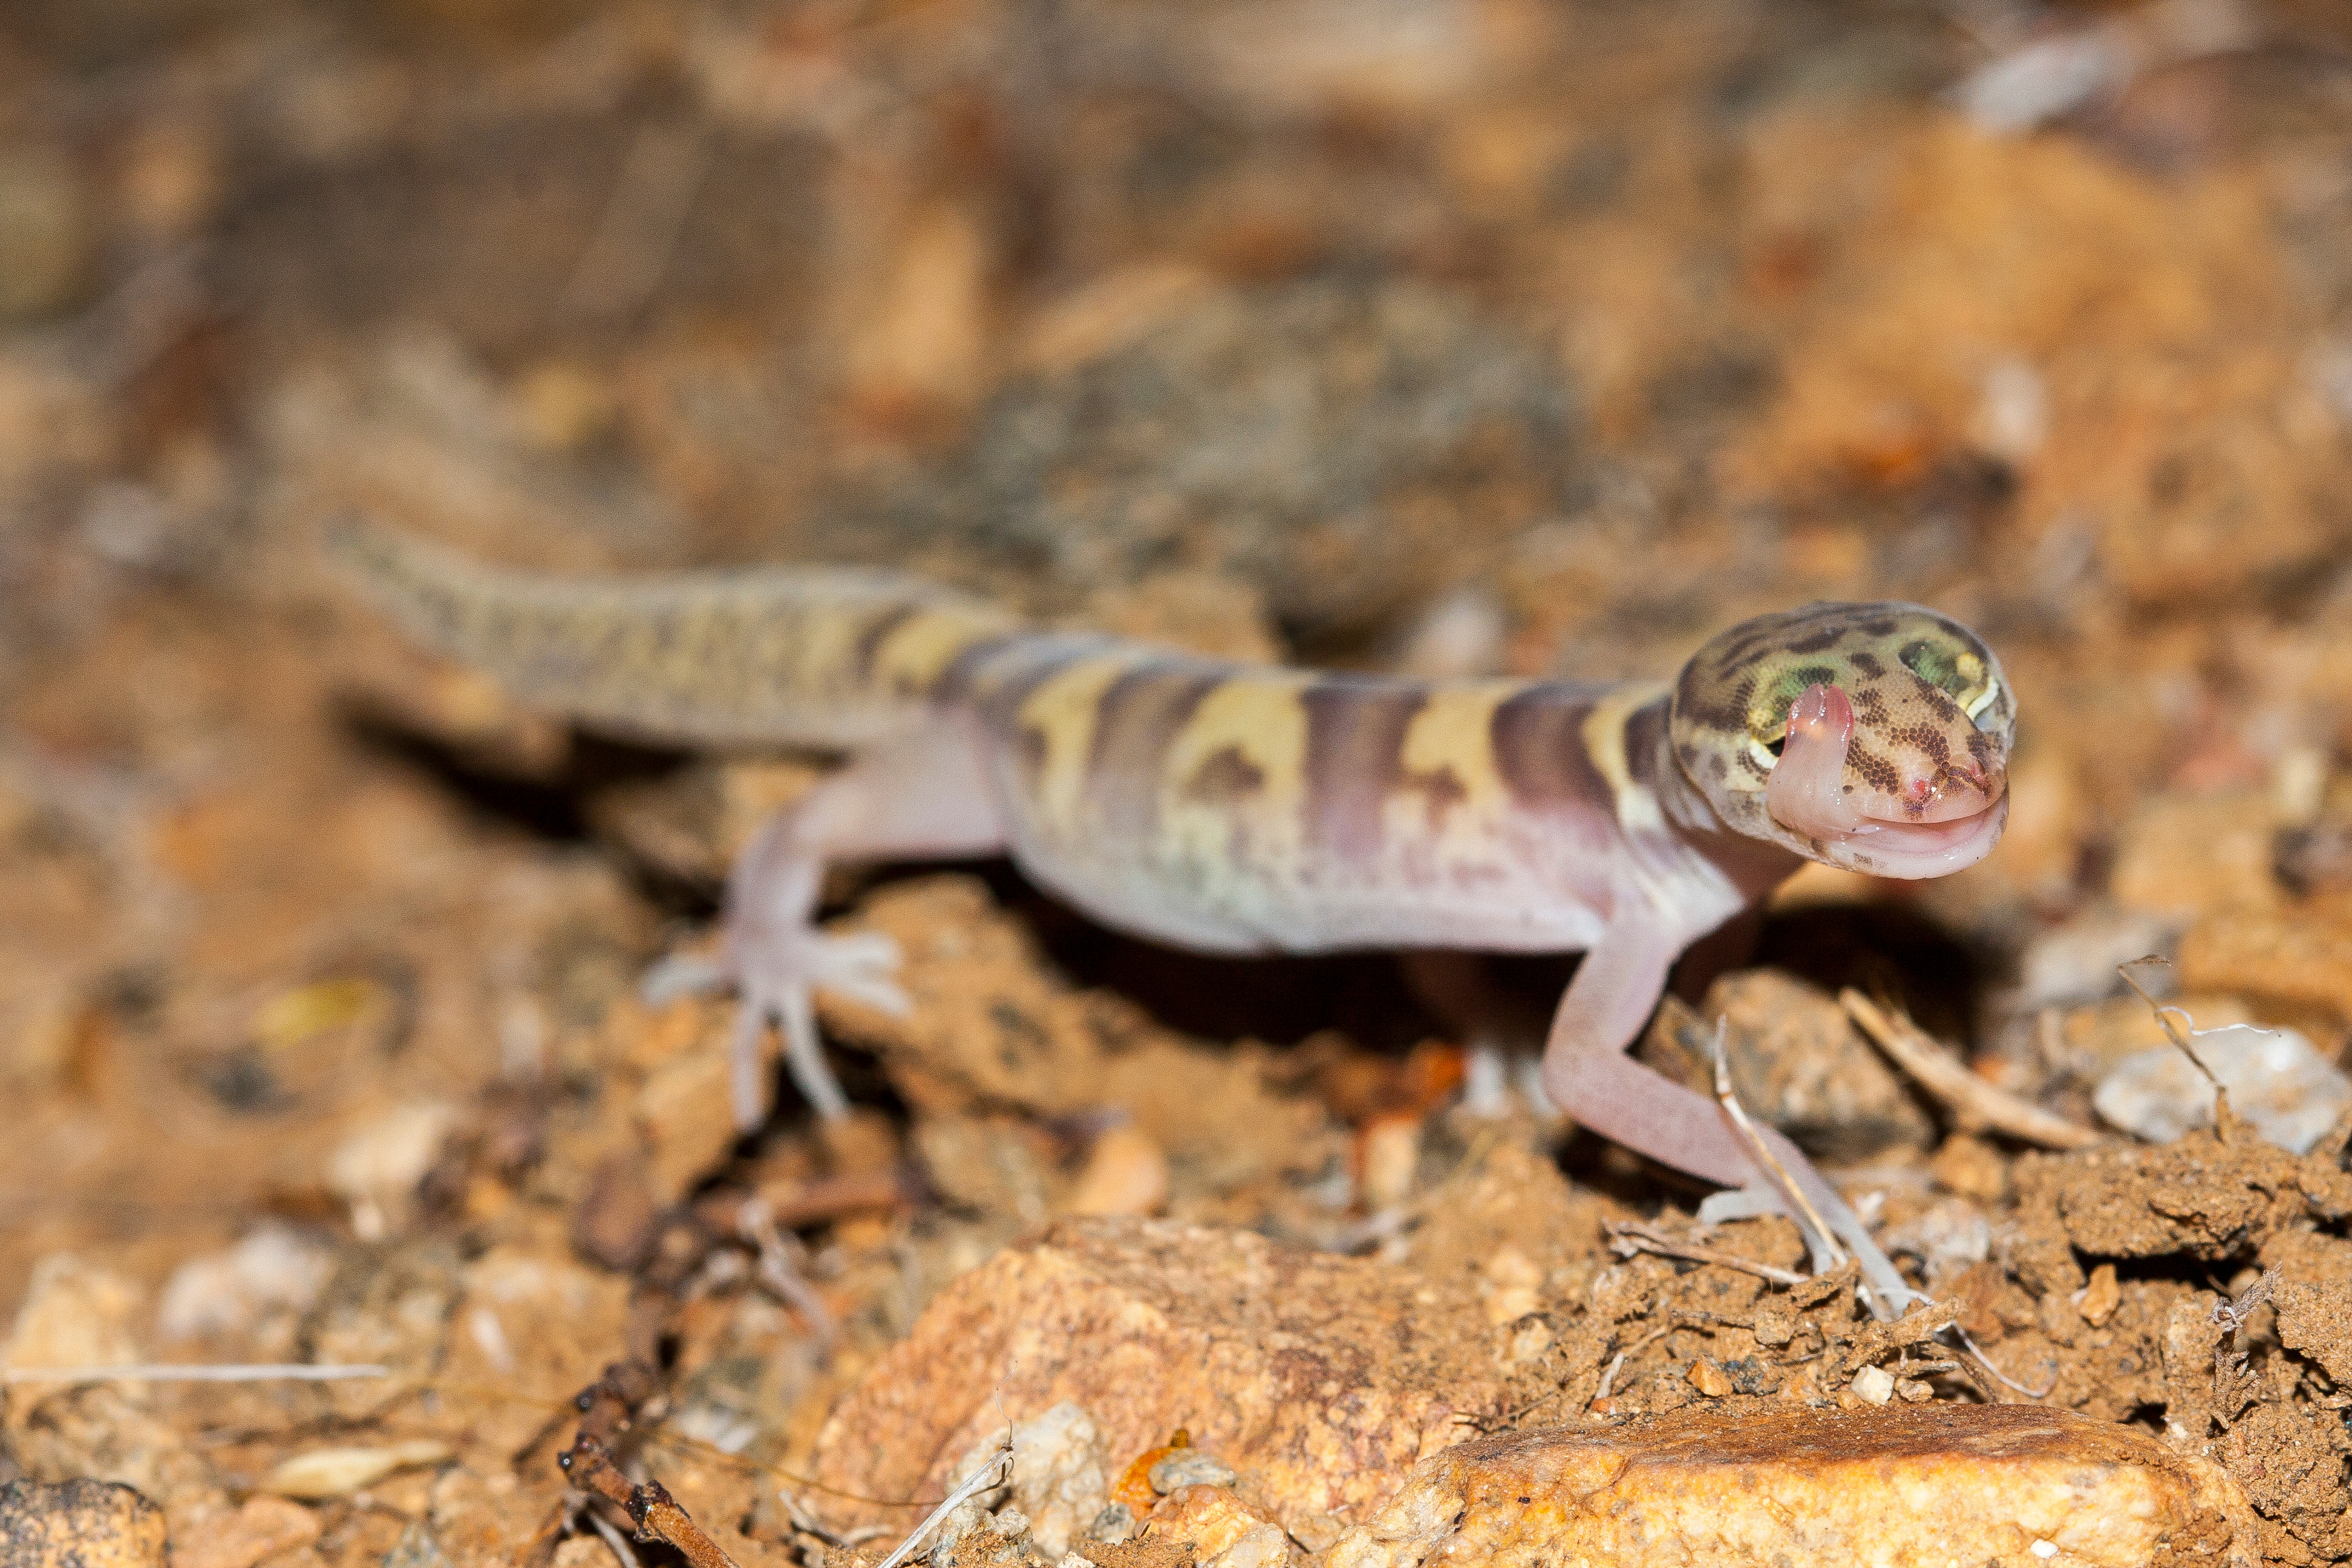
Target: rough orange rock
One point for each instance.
(2010, 1485)
(1319, 1379)
(80, 1524)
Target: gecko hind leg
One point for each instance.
(922, 795)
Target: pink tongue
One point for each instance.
(1807, 793)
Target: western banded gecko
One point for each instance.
(1237, 809)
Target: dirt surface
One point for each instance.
(1450, 337)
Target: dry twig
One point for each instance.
(162, 1371)
(1627, 1238)
(1820, 1239)
(1946, 1077)
(607, 1409)
(992, 1471)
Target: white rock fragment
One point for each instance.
(1873, 1385)
(2047, 78)
(377, 1167)
(1947, 1237)
(2277, 1080)
(273, 1270)
(2012, 419)
(1058, 1475)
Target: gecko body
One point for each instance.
(1243, 808)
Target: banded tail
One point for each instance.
(825, 656)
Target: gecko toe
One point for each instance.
(683, 974)
(859, 966)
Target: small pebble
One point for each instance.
(336, 1472)
(1390, 1152)
(2098, 1299)
(1708, 1378)
(1222, 1530)
(1190, 1467)
(1114, 1524)
(1775, 1325)
(1125, 1172)
(1873, 1385)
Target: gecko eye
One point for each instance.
(1957, 673)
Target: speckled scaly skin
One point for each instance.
(1241, 808)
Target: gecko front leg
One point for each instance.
(1589, 1078)
(923, 793)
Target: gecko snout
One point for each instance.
(1946, 793)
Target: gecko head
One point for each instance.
(1872, 737)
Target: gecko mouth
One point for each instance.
(1808, 795)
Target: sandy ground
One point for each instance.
(1481, 336)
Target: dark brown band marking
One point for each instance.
(1136, 719)
(1539, 751)
(1356, 728)
(1004, 672)
(1645, 735)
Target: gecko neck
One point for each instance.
(1755, 866)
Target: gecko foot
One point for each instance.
(772, 972)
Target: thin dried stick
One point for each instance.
(159, 1372)
(614, 1538)
(988, 1474)
(2163, 1018)
(1629, 1238)
(1946, 1077)
(2000, 1376)
(607, 1408)
(1799, 1205)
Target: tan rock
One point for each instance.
(2191, 853)
(1321, 1379)
(1125, 1172)
(260, 1530)
(2312, 1291)
(80, 1524)
(1220, 1527)
(2298, 957)
(682, 1112)
(1978, 1484)
(74, 1314)
(2101, 1296)
(1796, 1061)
